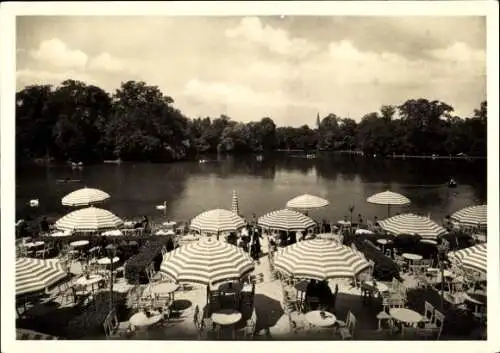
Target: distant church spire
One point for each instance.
(317, 121)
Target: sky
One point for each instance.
(286, 68)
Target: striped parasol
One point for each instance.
(388, 198)
(207, 261)
(473, 258)
(216, 221)
(84, 197)
(33, 275)
(89, 219)
(287, 220)
(473, 215)
(412, 224)
(306, 202)
(235, 205)
(320, 259)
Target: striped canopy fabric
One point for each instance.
(216, 221)
(388, 198)
(207, 261)
(473, 215)
(235, 205)
(89, 219)
(306, 202)
(473, 258)
(84, 197)
(29, 335)
(410, 223)
(33, 275)
(320, 259)
(286, 220)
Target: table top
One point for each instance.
(405, 315)
(167, 224)
(226, 317)
(93, 279)
(34, 244)
(363, 231)
(165, 232)
(140, 319)
(342, 222)
(410, 256)
(380, 286)
(79, 243)
(383, 241)
(165, 287)
(107, 260)
(129, 224)
(429, 241)
(314, 318)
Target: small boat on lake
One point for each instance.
(113, 161)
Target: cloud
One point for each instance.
(274, 39)
(106, 62)
(56, 53)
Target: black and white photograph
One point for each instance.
(239, 176)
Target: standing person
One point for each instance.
(44, 225)
(145, 224)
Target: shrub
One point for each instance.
(135, 269)
(385, 268)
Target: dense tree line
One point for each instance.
(80, 122)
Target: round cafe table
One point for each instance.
(170, 224)
(412, 257)
(405, 316)
(381, 287)
(107, 260)
(35, 244)
(141, 320)
(79, 243)
(226, 317)
(167, 288)
(383, 242)
(344, 223)
(88, 282)
(314, 318)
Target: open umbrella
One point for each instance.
(286, 220)
(320, 259)
(472, 215)
(207, 261)
(33, 275)
(89, 219)
(388, 198)
(235, 205)
(84, 197)
(410, 223)
(474, 257)
(307, 202)
(217, 221)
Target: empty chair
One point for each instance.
(347, 332)
(437, 323)
(428, 312)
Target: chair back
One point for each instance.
(352, 322)
(429, 311)
(438, 318)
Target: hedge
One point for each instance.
(150, 252)
(385, 269)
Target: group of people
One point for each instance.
(322, 291)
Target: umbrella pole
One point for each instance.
(388, 210)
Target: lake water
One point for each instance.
(189, 188)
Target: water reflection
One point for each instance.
(190, 187)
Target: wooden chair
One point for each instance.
(437, 322)
(428, 312)
(347, 332)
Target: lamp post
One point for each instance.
(442, 249)
(111, 252)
